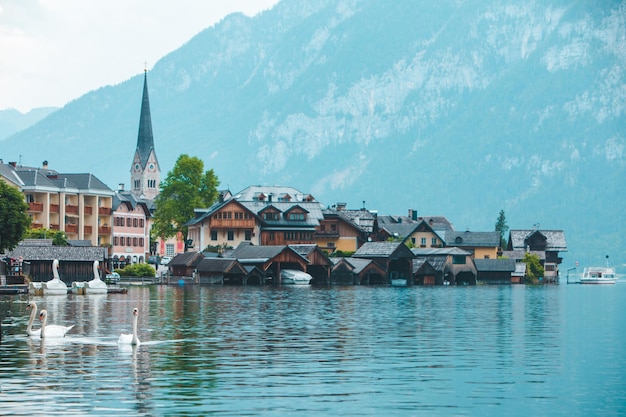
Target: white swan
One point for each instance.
(130, 339)
(50, 328)
(51, 331)
(55, 286)
(96, 285)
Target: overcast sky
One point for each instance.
(53, 51)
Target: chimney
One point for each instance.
(341, 206)
(121, 184)
(13, 164)
(413, 214)
(45, 164)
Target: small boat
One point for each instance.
(294, 277)
(55, 286)
(96, 285)
(598, 275)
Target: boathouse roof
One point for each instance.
(495, 265)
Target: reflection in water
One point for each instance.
(502, 350)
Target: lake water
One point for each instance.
(306, 351)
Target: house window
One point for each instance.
(271, 235)
(128, 222)
(141, 241)
(270, 216)
(140, 222)
(248, 235)
(116, 241)
(433, 241)
(137, 184)
(413, 240)
(458, 259)
(135, 222)
(213, 234)
(296, 216)
(231, 235)
(423, 241)
(169, 249)
(121, 240)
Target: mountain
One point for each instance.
(455, 108)
(12, 121)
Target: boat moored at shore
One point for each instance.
(598, 275)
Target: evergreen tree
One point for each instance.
(14, 220)
(502, 227)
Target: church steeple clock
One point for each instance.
(145, 173)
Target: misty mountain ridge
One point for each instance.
(12, 121)
(453, 108)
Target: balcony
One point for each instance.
(36, 225)
(87, 230)
(88, 210)
(104, 211)
(321, 234)
(34, 206)
(232, 223)
(71, 228)
(71, 209)
(104, 230)
(54, 208)
(54, 227)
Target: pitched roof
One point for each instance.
(555, 239)
(312, 219)
(247, 252)
(473, 239)
(49, 180)
(220, 265)
(495, 265)
(186, 259)
(381, 250)
(357, 264)
(361, 219)
(400, 230)
(439, 251)
(273, 193)
(62, 253)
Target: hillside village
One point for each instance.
(259, 231)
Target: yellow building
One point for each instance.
(78, 204)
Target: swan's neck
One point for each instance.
(43, 326)
(33, 313)
(135, 338)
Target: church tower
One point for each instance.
(145, 173)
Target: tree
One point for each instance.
(58, 237)
(14, 220)
(502, 227)
(534, 270)
(186, 188)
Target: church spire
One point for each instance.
(145, 172)
(145, 141)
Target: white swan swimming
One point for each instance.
(96, 285)
(55, 286)
(130, 339)
(50, 331)
(52, 328)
